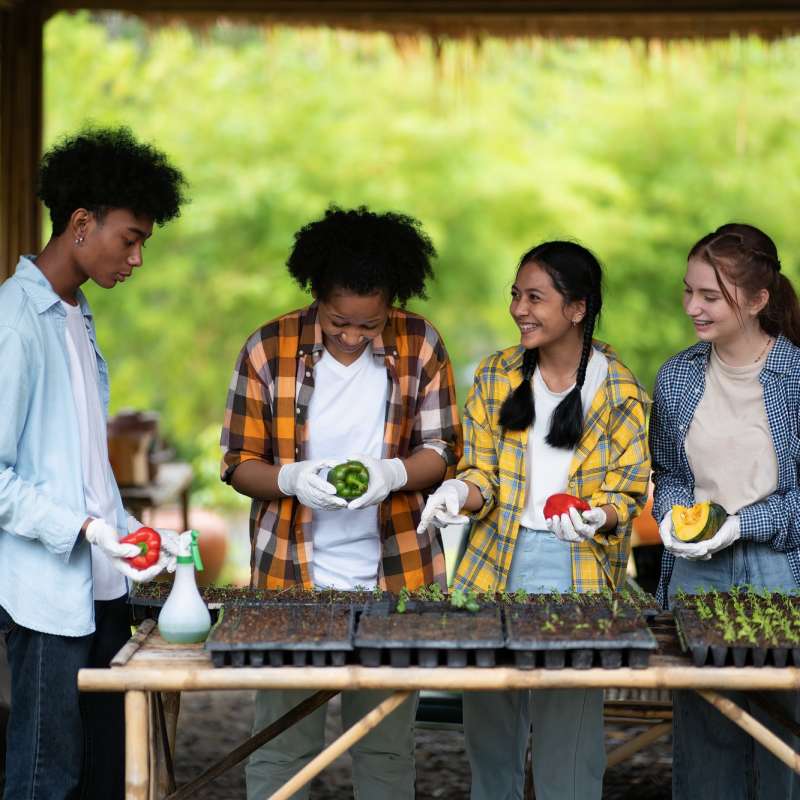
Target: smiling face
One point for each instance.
(350, 321)
(539, 309)
(110, 245)
(713, 317)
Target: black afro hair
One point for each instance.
(363, 252)
(102, 169)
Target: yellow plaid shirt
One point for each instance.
(610, 466)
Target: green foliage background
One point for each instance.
(635, 150)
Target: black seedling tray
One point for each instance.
(713, 650)
(436, 651)
(148, 607)
(631, 649)
(231, 644)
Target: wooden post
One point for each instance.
(21, 28)
(346, 740)
(136, 746)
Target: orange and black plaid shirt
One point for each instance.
(265, 420)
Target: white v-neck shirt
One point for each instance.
(548, 467)
(346, 416)
(97, 476)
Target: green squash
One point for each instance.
(699, 522)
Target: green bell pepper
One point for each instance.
(349, 479)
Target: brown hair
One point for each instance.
(749, 259)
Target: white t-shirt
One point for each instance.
(97, 476)
(346, 416)
(548, 467)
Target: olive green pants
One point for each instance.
(383, 761)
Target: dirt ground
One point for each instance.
(213, 723)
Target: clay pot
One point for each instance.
(213, 539)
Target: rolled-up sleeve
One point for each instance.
(247, 430)
(625, 482)
(479, 465)
(670, 482)
(437, 425)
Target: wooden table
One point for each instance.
(147, 665)
(173, 482)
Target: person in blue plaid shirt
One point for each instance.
(724, 428)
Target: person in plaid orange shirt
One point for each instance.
(351, 376)
(558, 413)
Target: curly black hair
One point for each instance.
(364, 252)
(105, 168)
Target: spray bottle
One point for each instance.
(184, 617)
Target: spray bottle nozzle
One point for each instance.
(198, 562)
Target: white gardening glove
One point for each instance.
(729, 533)
(140, 575)
(302, 480)
(577, 526)
(443, 506)
(665, 531)
(104, 536)
(386, 475)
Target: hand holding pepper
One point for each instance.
(148, 541)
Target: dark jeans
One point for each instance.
(61, 746)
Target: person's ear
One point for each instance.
(79, 224)
(576, 312)
(758, 302)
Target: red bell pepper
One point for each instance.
(148, 541)
(558, 504)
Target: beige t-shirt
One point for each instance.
(728, 444)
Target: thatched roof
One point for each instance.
(593, 18)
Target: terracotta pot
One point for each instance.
(213, 539)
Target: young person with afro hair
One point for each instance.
(351, 376)
(62, 568)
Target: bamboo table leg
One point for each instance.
(345, 741)
(300, 711)
(136, 746)
(639, 742)
(763, 735)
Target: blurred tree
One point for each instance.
(635, 150)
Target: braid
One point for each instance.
(566, 424)
(518, 410)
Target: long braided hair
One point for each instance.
(576, 275)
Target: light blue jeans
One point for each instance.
(568, 751)
(714, 758)
(383, 761)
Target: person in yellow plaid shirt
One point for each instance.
(350, 376)
(559, 413)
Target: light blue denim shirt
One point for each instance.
(45, 570)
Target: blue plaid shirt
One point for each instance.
(680, 384)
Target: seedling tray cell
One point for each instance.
(741, 628)
(282, 634)
(558, 632)
(428, 634)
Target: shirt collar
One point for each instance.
(38, 288)
(310, 339)
(620, 382)
(779, 359)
